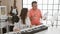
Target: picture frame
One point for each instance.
(3, 12)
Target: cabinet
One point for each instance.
(3, 17)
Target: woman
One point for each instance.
(24, 21)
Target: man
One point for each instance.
(35, 14)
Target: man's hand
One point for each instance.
(44, 18)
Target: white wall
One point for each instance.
(9, 3)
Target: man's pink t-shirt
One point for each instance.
(35, 16)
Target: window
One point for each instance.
(46, 6)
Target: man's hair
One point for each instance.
(33, 2)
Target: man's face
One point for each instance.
(34, 6)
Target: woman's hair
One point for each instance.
(23, 14)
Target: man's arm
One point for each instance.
(42, 17)
(40, 14)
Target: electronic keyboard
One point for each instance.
(32, 30)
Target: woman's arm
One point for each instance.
(16, 29)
